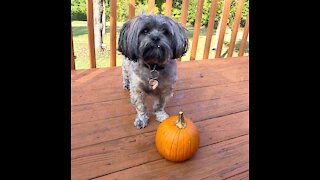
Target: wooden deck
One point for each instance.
(212, 93)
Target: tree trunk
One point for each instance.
(98, 26)
(104, 18)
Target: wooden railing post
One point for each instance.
(184, 15)
(113, 31)
(132, 5)
(235, 27)
(210, 28)
(72, 53)
(244, 37)
(226, 10)
(168, 7)
(92, 53)
(151, 7)
(196, 31)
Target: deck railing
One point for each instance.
(183, 19)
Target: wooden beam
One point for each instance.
(196, 31)
(132, 5)
(151, 7)
(184, 15)
(244, 37)
(226, 10)
(113, 31)
(72, 53)
(92, 53)
(235, 27)
(210, 28)
(168, 7)
(184, 12)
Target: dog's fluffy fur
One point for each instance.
(151, 41)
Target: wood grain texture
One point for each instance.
(219, 161)
(106, 145)
(123, 153)
(241, 176)
(92, 132)
(92, 86)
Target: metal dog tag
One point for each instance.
(153, 83)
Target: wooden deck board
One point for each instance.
(241, 176)
(93, 87)
(93, 132)
(106, 145)
(123, 153)
(219, 161)
(122, 107)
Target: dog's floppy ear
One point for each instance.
(125, 41)
(180, 41)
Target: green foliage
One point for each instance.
(245, 12)
(78, 10)
(158, 4)
(233, 10)
(142, 8)
(107, 9)
(192, 8)
(122, 10)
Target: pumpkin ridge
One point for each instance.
(170, 152)
(159, 131)
(189, 139)
(164, 136)
(194, 140)
(178, 139)
(167, 143)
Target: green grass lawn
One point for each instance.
(80, 41)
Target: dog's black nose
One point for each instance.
(155, 38)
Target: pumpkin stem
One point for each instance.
(181, 123)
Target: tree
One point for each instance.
(98, 11)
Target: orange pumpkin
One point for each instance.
(177, 138)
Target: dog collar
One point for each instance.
(153, 66)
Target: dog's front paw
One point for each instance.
(141, 121)
(161, 115)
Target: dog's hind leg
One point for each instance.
(125, 75)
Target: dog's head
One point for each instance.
(153, 39)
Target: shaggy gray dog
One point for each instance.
(150, 44)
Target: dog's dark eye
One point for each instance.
(166, 32)
(145, 31)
